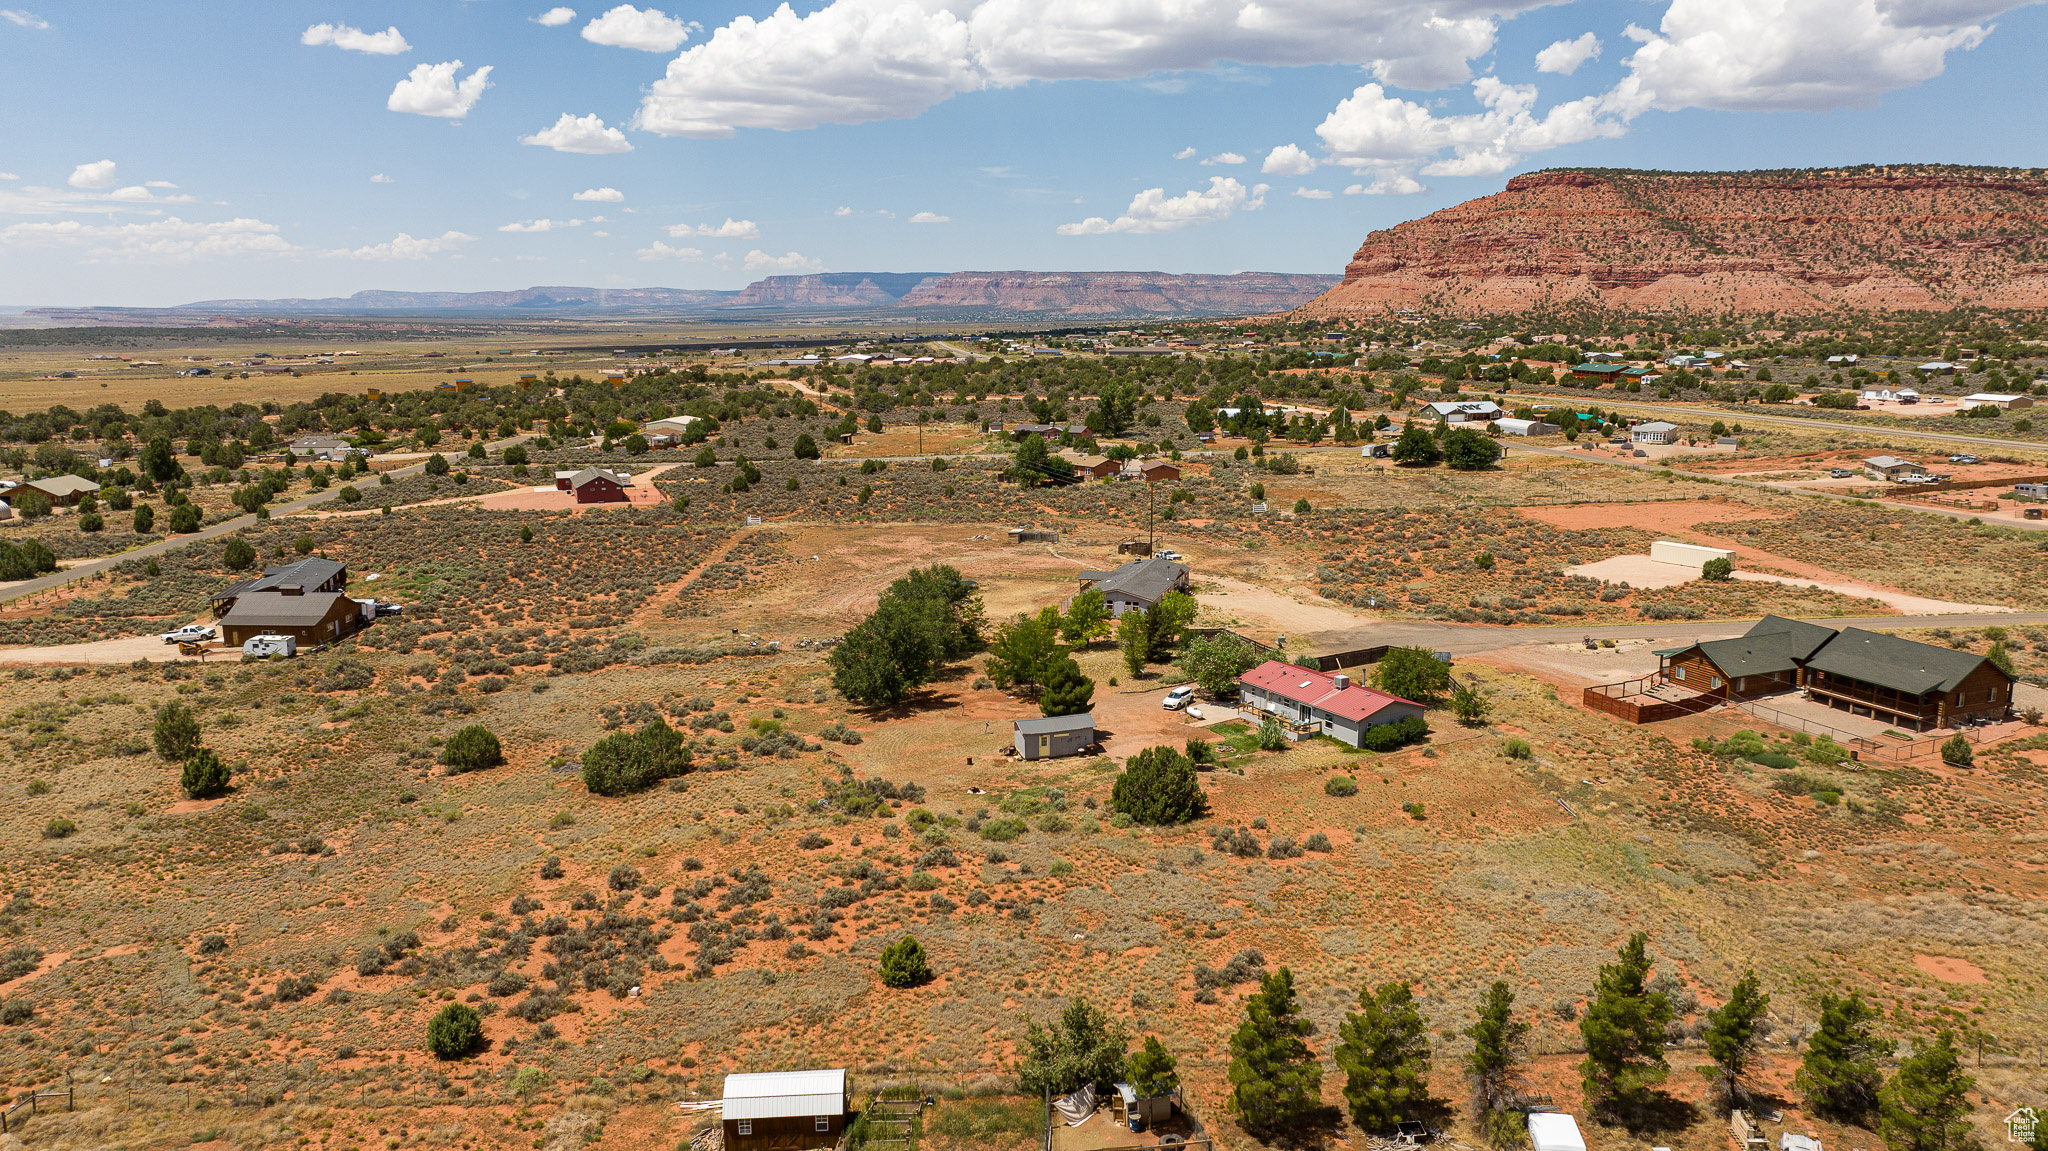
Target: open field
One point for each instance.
(258, 969)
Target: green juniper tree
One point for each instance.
(1732, 1033)
(1497, 1046)
(1926, 1105)
(1276, 1083)
(1839, 1075)
(1624, 1033)
(1383, 1050)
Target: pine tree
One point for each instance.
(1153, 1069)
(1277, 1085)
(1926, 1107)
(1840, 1075)
(1497, 1038)
(1732, 1032)
(1624, 1033)
(1383, 1050)
(1067, 690)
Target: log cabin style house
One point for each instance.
(1899, 681)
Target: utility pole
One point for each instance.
(1150, 544)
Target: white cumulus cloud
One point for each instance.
(8, 176)
(730, 230)
(1223, 158)
(1745, 55)
(1391, 184)
(93, 176)
(385, 43)
(930, 218)
(1374, 130)
(600, 196)
(648, 29)
(1288, 160)
(381, 178)
(856, 60)
(407, 247)
(758, 260)
(24, 19)
(542, 225)
(1312, 193)
(842, 210)
(1184, 154)
(555, 17)
(1565, 56)
(584, 135)
(1151, 212)
(661, 251)
(434, 90)
(169, 240)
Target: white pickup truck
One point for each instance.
(190, 633)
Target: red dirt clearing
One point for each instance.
(1949, 970)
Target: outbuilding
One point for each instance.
(1510, 426)
(1156, 471)
(1554, 1131)
(600, 486)
(1653, 432)
(2004, 401)
(1047, 737)
(784, 1110)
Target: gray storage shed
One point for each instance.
(1048, 736)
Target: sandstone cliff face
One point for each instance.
(1114, 293)
(1911, 238)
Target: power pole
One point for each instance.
(1150, 544)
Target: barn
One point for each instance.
(784, 1110)
(600, 486)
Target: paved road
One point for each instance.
(58, 579)
(1750, 415)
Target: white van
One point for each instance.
(266, 646)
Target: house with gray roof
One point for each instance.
(312, 618)
(1900, 681)
(1137, 585)
(312, 574)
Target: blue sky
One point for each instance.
(158, 153)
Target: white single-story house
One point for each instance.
(1461, 411)
(1510, 426)
(1937, 366)
(1880, 395)
(1850, 359)
(1653, 432)
(2002, 400)
(1311, 703)
(1891, 468)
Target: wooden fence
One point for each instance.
(33, 1101)
(1621, 700)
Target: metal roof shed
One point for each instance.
(785, 1094)
(1043, 737)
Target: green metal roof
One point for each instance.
(1903, 665)
(1772, 645)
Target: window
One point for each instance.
(746, 1126)
(1678, 673)
(1714, 683)
(822, 1123)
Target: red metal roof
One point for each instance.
(1319, 690)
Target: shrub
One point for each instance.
(176, 733)
(1957, 752)
(1003, 830)
(1718, 568)
(904, 964)
(91, 522)
(205, 776)
(473, 748)
(1340, 786)
(1271, 736)
(1517, 749)
(455, 1031)
(623, 762)
(59, 829)
(1388, 736)
(213, 945)
(1158, 786)
(238, 555)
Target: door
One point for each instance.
(1045, 745)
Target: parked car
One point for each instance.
(1168, 554)
(1964, 458)
(190, 633)
(1839, 473)
(1178, 698)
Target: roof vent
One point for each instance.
(291, 589)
